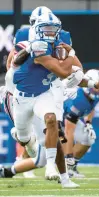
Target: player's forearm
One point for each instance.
(89, 117)
(21, 57)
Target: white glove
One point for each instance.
(89, 128)
(75, 78)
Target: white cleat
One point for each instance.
(51, 174)
(69, 184)
(29, 174)
(75, 174)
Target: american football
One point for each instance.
(61, 53)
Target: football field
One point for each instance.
(89, 186)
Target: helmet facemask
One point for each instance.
(48, 32)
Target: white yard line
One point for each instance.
(53, 196)
(53, 190)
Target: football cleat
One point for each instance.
(29, 174)
(51, 174)
(69, 184)
(75, 173)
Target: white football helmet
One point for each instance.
(38, 12)
(47, 27)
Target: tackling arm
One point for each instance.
(21, 57)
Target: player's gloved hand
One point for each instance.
(75, 78)
(89, 128)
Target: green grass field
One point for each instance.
(89, 186)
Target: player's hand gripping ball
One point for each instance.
(61, 53)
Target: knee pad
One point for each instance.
(72, 118)
(19, 137)
(40, 159)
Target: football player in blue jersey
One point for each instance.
(33, 80)
(82, 104)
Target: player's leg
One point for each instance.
(75, 110)
(23, 115)
(25, 165)
(47, 104)
(84, 137)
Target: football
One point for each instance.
(61, 53)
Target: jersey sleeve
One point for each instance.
(41, 48)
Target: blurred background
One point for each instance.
(81, 18)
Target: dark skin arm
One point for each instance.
(21, 57)
(62, 69)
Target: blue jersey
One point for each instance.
(80, 106)
(34, 78)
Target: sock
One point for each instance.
(76, 160)
(51, 155)
(64, 177)
(13, 170)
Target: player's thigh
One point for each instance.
(44, 104)
(79, 134)
(38, 128)
(22, 110)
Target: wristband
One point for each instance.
(71, 53)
